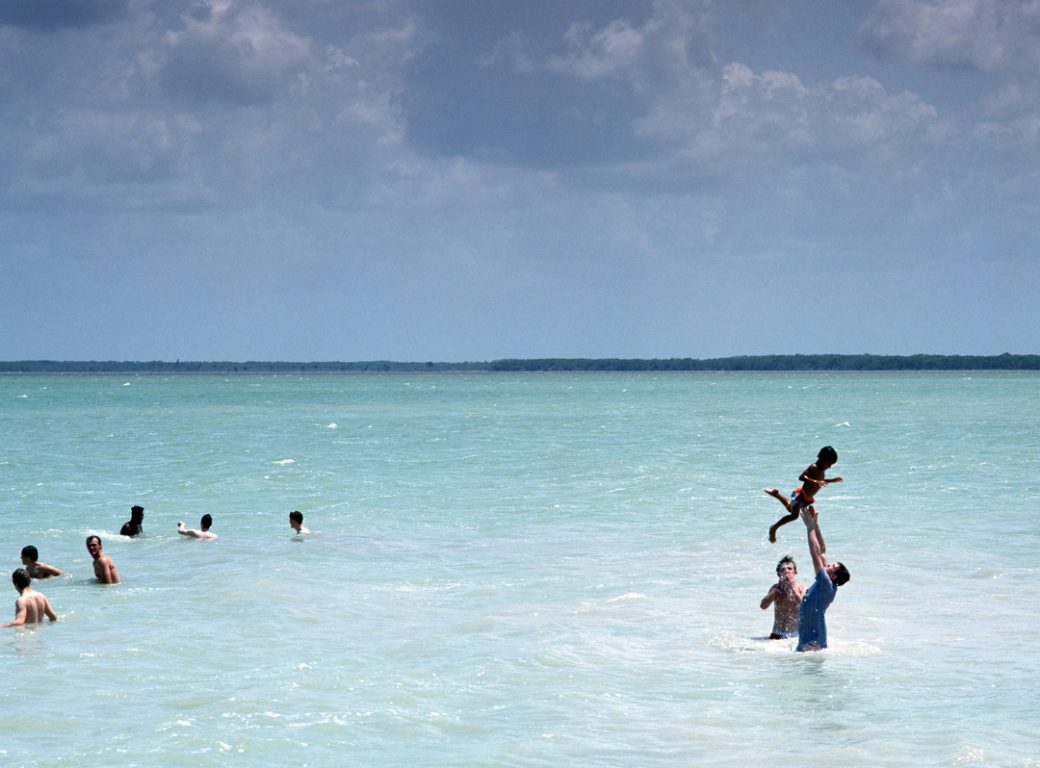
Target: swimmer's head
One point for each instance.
(30, 553)
(21, 579)
(207, 521)
(296, 518)
(786, 563)
(827, 455)
(94, 544)
(839, 573)
(136, 513)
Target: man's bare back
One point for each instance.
(31, 606)
(36, 607)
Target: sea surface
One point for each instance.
(520, 570)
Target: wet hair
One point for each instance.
(786, 559)
(841, 575)
(828, 454)
(31, 552)
(136, 513)
(296, 516)
(207, 521)
(21, 578)
(93, 536)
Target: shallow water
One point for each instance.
(528, 570)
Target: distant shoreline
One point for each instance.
(865, 362)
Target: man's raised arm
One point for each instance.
(815, 547)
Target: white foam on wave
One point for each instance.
(844, 648)
(626, 596)
(284, 461)
(332, 425)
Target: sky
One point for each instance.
(471, 180)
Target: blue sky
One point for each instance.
(482, 179)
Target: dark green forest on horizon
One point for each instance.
(864, 362)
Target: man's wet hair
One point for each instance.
(841, 575)
(31, 552)
(786, 559)
(296, 515)
(136, 513)
(21, 578)
(207, 521)
(828, 454)
(93, 536)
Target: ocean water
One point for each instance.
(520, 570)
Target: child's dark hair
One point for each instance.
(828, 454)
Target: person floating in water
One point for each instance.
(31, 606)
(296, 522)
(812, 624)
(132, 527)
(104, 566)
(812, 479)
(785, 596)
(202, 532)
(35, 569)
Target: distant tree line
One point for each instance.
(1005, 362)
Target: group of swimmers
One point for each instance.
(31, 606)
(799, 611)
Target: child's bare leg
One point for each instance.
(782, 521)
(776, 494)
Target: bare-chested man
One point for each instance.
(36, 569)
(202, 532)
(31, 606)
(785, 596)
(104, 567)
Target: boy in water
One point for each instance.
(812, 480)
(785, 596)
(132, 527)
(202, 532)
(35, 569)
(31, 606)
(296, 522)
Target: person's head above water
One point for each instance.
(21, 579)
(786, 563)
(838, 572)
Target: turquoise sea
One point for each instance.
(520, 570)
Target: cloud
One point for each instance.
(232, 54)
(987, 35)
(741, 116)
(551, 96)
(55, 15)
